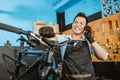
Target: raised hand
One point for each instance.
(88, 34)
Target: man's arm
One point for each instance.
(100, 52)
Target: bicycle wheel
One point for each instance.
(9, 63)
(11, 66)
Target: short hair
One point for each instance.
(82, 15)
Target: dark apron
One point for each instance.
(77, 60)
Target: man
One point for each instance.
(77, 62)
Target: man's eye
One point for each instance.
(81, 23)
(75, 22)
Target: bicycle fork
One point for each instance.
(48, 71)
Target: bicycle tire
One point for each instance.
(10, 63)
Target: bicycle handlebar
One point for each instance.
(12, 29)
(19, 31)
(55, 43)
(31, 34)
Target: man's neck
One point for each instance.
(76, 37)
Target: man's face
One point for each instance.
(78, 25)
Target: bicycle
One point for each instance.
(43, 62)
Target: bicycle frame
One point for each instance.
(44, 61)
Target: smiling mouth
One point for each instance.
(77, 28)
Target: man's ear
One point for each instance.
(85, 27)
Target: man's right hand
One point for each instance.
(47, 32)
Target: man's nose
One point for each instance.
(78, 25)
